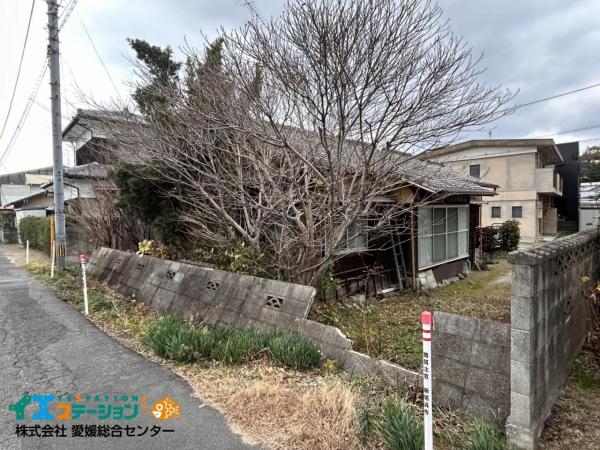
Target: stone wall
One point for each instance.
(471, 364)
(215, 296)
(549, 325)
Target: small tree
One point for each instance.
(509, 235)
(590, 164)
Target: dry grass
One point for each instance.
(278, 408)
(391, 328)
(575, 419)
(16, 254)
(281, 409)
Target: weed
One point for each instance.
(399, 426)
(172, 337)
(584, 378)
(367, 421)
(486, 437)
(295, 351)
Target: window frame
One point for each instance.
(431, 234)
(344, 248)
(499, 208)
(520, 216)
(471, 166)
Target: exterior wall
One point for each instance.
(516, 173)
(550, 221)
(471, 364)
(549, 323)
(589, 218)
(528, 224)
(570, 172)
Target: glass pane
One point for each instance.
(356, 236)
(424, 221)
(452, 245)
(463, 243)
(439, 247)
(452, 219)
(439, 220)
(425, 251)
(463, 218)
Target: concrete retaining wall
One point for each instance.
(549, 325)
(215, 296)
(471, 364)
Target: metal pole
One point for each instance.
(426, 321)
(59, 195)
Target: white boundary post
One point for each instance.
(426, 321)
(85, 296)
(27, 252)
(52, 257)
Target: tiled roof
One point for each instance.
(440, 179)
(91, 170)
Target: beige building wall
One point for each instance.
(515, 174)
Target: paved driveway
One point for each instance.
(47, 347)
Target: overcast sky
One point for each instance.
(539, 47)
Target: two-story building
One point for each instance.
(525, 171)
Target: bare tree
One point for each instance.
(308, 123)
(97, 218)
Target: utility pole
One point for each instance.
(58, 170)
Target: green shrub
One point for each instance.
(36, 230)
(485, 437)
(509, 235)
(172, 337)
(295, 351)
(399, 427)
(7, 220)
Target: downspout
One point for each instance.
(412, 249)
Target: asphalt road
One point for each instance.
(47, 347)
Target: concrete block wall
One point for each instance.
(471, 364)
(549, 323)
(214, 296)
(210, 295)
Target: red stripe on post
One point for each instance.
(426, 318)
(82, 258)
(427, 339)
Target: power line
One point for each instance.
(545, 99)
(98, 55)
(12, 97)
(64, 17)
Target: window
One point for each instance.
(475, 170)
(496, 211)
(517, 212)
(356, 238)
(443, 234)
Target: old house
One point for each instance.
(434, 241)
(526, 172)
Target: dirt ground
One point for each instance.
(16, 254)
(575, 419)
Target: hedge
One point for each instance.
(36, 230)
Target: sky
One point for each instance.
(539, 48)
